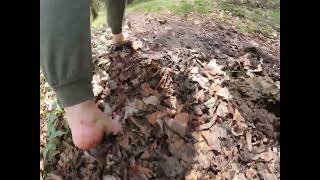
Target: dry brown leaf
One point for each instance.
(197, 110)
(179, 107)
(135, 82)
(268, 176)
(139, 104)
(224, 92)
(152, 118)
(237, 116)
(171, 101)
(123, 77)
(52, 176)
(211, 102)
(137, 45)
(129, 110)
(108, 177)
(124, 142)
(193, 174)
(212, 136)
(145, 130)
(179, 124)
(222, 109)
(214, 88)
(200, 95)
(146, 90)
(154, 100)
(251, 173)
(266, 156)
(239, 176)
(182, 117)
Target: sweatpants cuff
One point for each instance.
(116, 30)
(74, 93)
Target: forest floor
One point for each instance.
(197, 98)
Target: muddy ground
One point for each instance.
(198, 100)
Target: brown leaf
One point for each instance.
(52, 176)
(154, 100)
(145, 130)
(182, 117)
(171, 101)
(200, 95)
(214, 88)
(251, 173)
(179, 107)
(266, 156)
(193, 174)
(124, 142)
(179, 124)
(222, 109)
(224, 92)
(146, 90)
(212, 136)
(237, 116)
(152, 118)
(197, 110)
(123, 77)
(137, 45)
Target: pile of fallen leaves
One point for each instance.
(180, 118)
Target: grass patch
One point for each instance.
(254, 18)
(100, 20)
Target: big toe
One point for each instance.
(87, 136)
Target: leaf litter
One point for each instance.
(189, 111)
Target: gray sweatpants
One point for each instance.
(65, 45)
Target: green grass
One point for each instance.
(182, 7)
(253, 18)
(100, 20)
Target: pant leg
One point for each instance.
(115, 13)
(65, 49)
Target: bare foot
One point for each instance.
(88, 124)
(117, 38)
